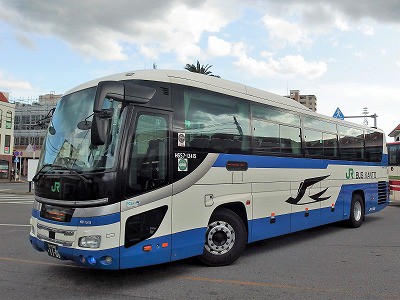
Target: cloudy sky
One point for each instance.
(347, 53)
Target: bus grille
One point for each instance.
(382, 192)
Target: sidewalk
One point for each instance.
(7, 180)
(15, 187)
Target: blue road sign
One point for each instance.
(16, 160)
(338, 114)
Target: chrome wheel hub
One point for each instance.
(357, 211)
(220, 238)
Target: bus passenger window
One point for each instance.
(216, 123)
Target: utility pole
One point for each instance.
(365, 116)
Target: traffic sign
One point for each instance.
(338, 114)
(16, 160)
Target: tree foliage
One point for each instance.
(202, 69)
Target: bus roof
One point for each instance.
(215, 84)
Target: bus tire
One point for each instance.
(356, 211)
(225, 240)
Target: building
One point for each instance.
(7, 113)
(395, 133)
(31, 126)
(309, 101)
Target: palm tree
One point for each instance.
(200, 69)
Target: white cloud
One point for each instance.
(282, 30)
(170, 26)
(218, 47)
(287, 66)
(359, 54)
(341, 24)
(8, 83)
(367, 30)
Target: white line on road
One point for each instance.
(15, 225)
(17, 202)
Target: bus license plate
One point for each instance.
(52, 250)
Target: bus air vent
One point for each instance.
(382, 192)
(165, 91)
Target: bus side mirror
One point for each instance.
(100, 129)
(101, 126)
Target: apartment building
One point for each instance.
(309, 101)
(7, 113)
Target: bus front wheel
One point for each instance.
(356, 211)
(226, 238)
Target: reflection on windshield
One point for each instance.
(70, 146)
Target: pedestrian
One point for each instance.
(12, 174)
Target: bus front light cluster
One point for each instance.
(91, 241)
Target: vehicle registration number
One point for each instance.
(52, 250)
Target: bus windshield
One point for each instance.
(68, 145)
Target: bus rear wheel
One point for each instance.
(356, 211)
(226, 238)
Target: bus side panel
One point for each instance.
(332, 209)
(189, 221)
(370, 194)
(160, 242)
(136, 256)
(193, 207)
(188, 243)
(271, 214)
(269, 227)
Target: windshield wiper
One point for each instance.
(53, 166)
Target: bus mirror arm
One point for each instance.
(119, 91)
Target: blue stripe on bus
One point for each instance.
(256, 161)
(87, 221)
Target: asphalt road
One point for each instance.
(329, 262)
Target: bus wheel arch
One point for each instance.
(225, 239)
(357, 209)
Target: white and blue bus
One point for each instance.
(154, 166)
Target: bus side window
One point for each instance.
(148, 161)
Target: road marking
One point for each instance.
(254, 283)
(15, 196)
(344, 292)
(17, 202)
(9, 259)
(15, 225)
(16, 199)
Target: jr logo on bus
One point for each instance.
(351, 174)
(55, 187)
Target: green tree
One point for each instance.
(202, 69)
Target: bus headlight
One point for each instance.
(91, 241)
